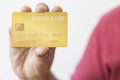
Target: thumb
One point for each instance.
(44, 55)
(41, 51)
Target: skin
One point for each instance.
(33, 63)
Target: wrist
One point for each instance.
(23, 78)
(47, 77)
(51, 77)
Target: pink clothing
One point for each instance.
(101, 60)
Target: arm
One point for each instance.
(33, 63)
(101, 60)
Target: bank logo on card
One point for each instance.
(19, 27)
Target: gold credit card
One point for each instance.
(33, 29)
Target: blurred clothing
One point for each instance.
(101, 60)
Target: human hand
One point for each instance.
(33, 63)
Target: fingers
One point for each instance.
(9, 30)
(57, 9)
(42, 7)
(26, 9)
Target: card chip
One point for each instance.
(19, 27)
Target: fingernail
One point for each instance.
(41, 8)
(26, 9)
(57, 9)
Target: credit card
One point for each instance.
(33, 29)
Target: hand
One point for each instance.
(33, 63)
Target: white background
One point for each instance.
(83, 17)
